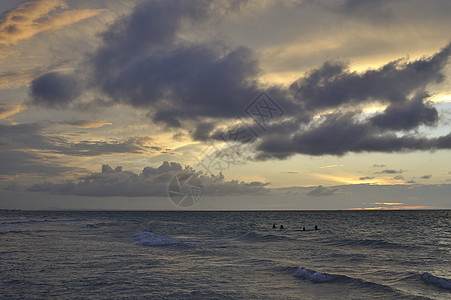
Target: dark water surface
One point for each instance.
(226, 255)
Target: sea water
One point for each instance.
(225, 255)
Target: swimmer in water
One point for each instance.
(274, 225)
(316, 227)
(281, 227)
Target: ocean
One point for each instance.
(225, 255)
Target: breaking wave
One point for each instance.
(315, 276)
(353, 283)
(437, 281)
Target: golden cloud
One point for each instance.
(33, 17)
(15, 80)
(87, 124)
(7, 110)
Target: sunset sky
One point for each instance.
(307, 104)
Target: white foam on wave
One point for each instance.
(435, 280)
(147, 238)
(314, 276)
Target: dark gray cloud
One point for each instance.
(366, 178)
(389, 171)
(379, 166)
(321, 191)
(426, 177)
(333, 84)
(150, 182)
(197, 82)
(408, 115)
(341, 133)
(203, 131)
(54, 90)
(146, 61)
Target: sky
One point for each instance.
(308, 104)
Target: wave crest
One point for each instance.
(435, 280)
(314, 276)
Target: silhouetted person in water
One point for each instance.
(303, 228)
(316, 227)
(281, 227)
(274, 225)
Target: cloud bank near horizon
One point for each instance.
(152, 182)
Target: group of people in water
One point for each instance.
(303, 228)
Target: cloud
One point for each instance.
(150, 182)
(83, 123)
(147, 61)
(31, 137)
(24, 136)
(54, 90)
(131, 145)
(399, 177)
(33, 17)
(321, 191)
(16, 162)
(7, 110)
(390, 171)
(379, 166)
(341, 133)
(203, 131)
(426, 177)
(366, 8)
(406, 116)
(333, 84)
(176, 79)
(13, 80)
(330, 166)
(366, 178)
